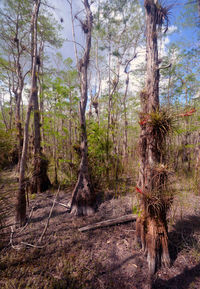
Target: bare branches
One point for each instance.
(75, 42)
(165, 67)
(127, 64)
(43, 233)
(50, 213)
(73, 32)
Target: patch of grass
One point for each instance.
(32, 196)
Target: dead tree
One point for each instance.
(21, 197)
(151, 226)
(83, 195)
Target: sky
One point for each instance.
(176, 33)
(62, 10)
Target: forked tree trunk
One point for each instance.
(21, 197)
(83, 195)
(151, 227)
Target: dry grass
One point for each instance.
(104, 258)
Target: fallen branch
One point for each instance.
(11, 239)
(33, 246)
(110, 222)
(63, 205)
(50, 213)
(28, 221)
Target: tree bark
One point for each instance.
(83, 195)
(21, 197)
(125, 137)
(110, 222)
(197, 166)
(151, 227)
(18, 95)
(40, 181)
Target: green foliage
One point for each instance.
(98, 148)
(7, 143)
(162, 122)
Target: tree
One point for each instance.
(118, 26)
(15, 42)
(152, 225)
(21, 197)
(82, 202)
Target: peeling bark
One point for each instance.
(151, 227)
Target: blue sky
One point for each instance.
(186, 35)
(184, 17)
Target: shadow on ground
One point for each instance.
(183, 237)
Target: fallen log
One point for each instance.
(110, 222)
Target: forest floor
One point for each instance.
(104, 258)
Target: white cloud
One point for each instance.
(171, 29)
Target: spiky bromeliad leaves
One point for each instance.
(163, 12)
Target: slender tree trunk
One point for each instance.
(151, 227)
(11, 104)
(70, 135)
(109, 114)
(3, 116)
(197, 166)
(55, 157)
(21, 197)
(18, 94)
(125, 141)
(83, 196)
(96, 99)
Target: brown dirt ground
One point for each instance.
(104, 258)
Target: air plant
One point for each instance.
(162, 123)
(163, 12)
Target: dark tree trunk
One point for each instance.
(83, 196)
(18, 96)
(151, 227)
(21, 197)
(40, 181)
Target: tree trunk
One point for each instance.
(40, 181)
(21, 197)
(125, 137)
(197, 166)
(18, 96)
(83, 195)
(151, 227)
